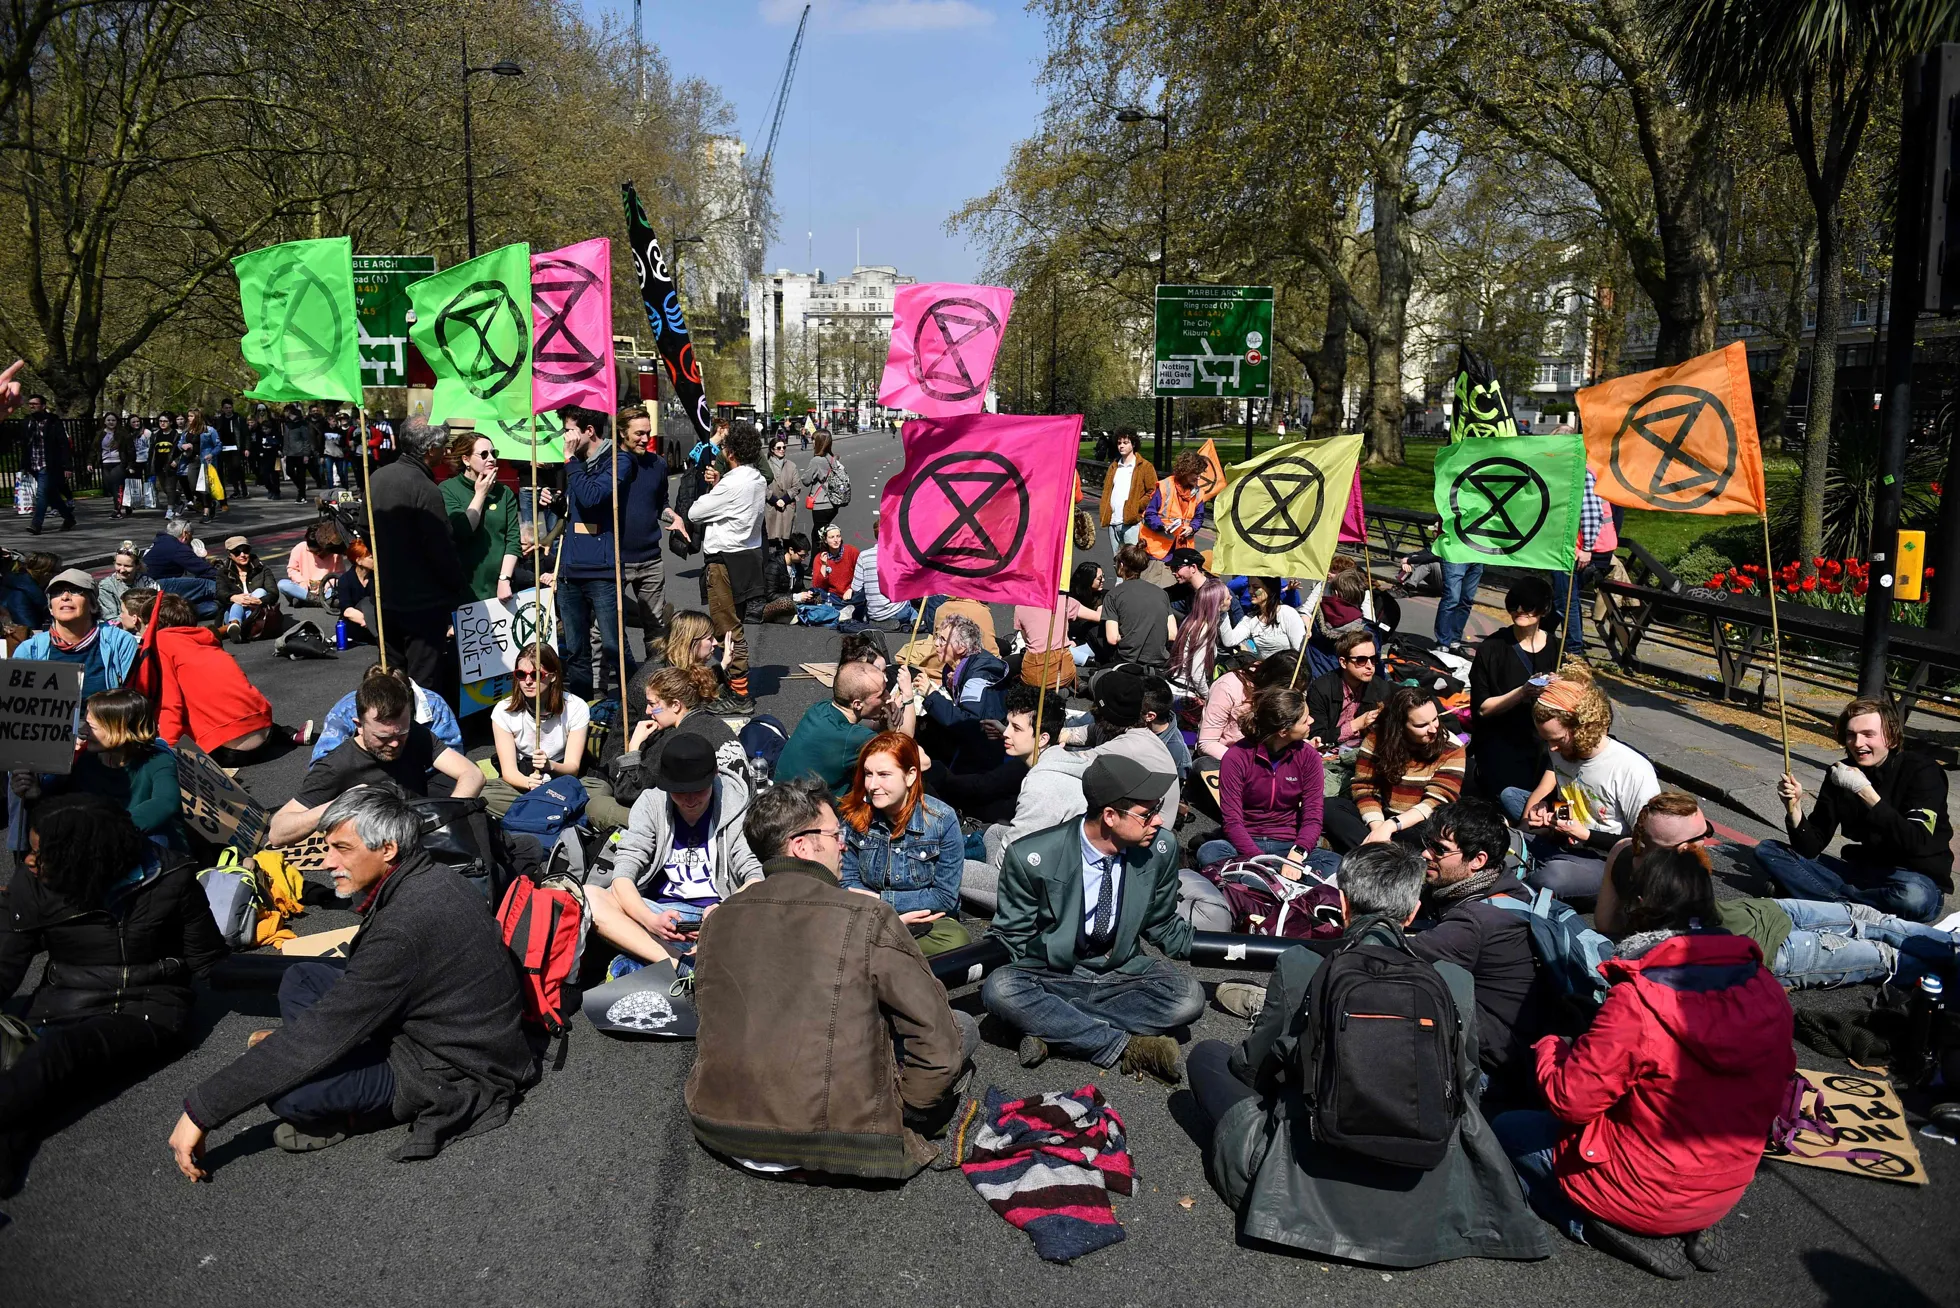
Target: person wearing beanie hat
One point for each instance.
(1077, 901)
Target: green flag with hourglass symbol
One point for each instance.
(300, 320)
(473, 326)
(1515, 502)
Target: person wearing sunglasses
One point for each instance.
(483, 518)
(539, 731)
(253, 605)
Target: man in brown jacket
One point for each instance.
(825, 1045)
(1128, 483)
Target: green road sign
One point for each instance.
(381, 295)
(1214, 341)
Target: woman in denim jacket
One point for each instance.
(918, 871)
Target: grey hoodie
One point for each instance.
(648, 840)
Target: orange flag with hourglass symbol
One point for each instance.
(1681, 439)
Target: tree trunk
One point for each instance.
(1394, 279)
(1823, 393)
(1330, 370)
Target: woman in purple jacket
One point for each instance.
(1270, 787)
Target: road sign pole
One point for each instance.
(1248, 428)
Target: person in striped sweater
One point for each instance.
(1408, 767)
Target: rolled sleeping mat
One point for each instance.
(642, 1005)
(969, 963)
(1230, 949)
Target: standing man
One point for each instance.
(1076, 902)
(231, 444)
(593, 467)
(419, 577)
(731, 544)
(1597, 541)
(264, 442)
(1172, 515)
(1460, 583)
(296, 442)
(48, 460)
(643, 515)
(1128, 484)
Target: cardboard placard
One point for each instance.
(824, 672)
(216, 806)
(40, 708)
(489, 633)
(321, 944)
(482, 696)
(1871, 1126)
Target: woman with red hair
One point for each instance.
(902, 845)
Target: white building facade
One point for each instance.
(825, 339)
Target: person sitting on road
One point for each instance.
(126, 927)
(1407, 769)
(423, 1022)
(249, 592)
(831, 570)
(170, 554)
(967, 702)
(1344, 703)
(827, 739)
(1658, 1113)
(198, 689)
(1270, 624)
(390, 746)
(1086, 633)
(1053, 791)
(1226, 702)
(1890, 802)
(1160, 720)
(127, 576)
(1806, 943)
(903, 845)
(825, 1044)
(313, 565)
(676, 704)
(76, 634)
(527, 756)
(785, 581)
(1292, 1190)
(353, 596)
(343, 719)
(992, 797)
(1137, 620)
(690, 644)
(1076, 902)
(1271, 789)
(681, 853)
(122, 761)
(1588, 797)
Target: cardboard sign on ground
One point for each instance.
(40, 706)
(321, 944)
(1871, 1128)
(824, 672)
(216, 806)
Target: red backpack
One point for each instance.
(543, 922)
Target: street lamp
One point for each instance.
(1132, 114)
(502, 68)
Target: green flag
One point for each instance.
(512, 437)
(300, 333)
(1280, 514)
(473, 325)
(1514, 502)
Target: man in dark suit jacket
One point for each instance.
(1076, 901)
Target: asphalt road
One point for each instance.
(595, 1193)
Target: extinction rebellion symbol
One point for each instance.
(302, 356)
(1296, 495)
(485, 336)
(1516, 501)
(988, 499)
(952, 330)
(1659, 426)
(557, 285)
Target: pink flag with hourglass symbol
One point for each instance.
(571, 319)
(945, 338)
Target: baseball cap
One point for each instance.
(1185, 557)
(1113, 781)
(687, 765)
(235, 542)
(74, 579)
(1119, 697)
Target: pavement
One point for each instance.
(596, 1193)
(97, 535)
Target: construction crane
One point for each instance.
(763, 180)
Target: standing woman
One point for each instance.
(1270, 623)
(483, 518)
(903, 845)
(816, 479)
(779, 518)
(1512, 667)
(163, 464)
(527, 759)
(264, 440)
(112, 464)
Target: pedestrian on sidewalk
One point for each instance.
(48, 460)
(296, 436)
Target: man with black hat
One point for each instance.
(1076, 903)
(681, 853)
(77, 634)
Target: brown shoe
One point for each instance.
(1153, 1056)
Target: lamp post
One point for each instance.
(1136, 115)
(502, 68)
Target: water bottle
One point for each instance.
(340, 634)
(1916, 1059)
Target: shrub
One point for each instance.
(1699, 564)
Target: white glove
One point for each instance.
(1849, 777)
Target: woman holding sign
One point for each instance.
(540, 730)
(483, 518)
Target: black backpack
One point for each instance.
(1379, 1053)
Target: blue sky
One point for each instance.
(901, 112)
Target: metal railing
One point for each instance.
(84, 445)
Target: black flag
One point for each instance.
(663, 303)
(1480, 409)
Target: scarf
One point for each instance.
(1473, 886)
(1640, 942)
(1048, 1164)
(54, 639)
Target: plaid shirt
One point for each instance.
(1592, 514)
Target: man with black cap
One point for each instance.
(681, 853)
(1188, 566)
(1053, 790)
(1076, 903)
(77, 635)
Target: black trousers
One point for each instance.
(1208, 1069)
(82, 1058)
(418, 640)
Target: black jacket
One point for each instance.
(1907, 828)
(1324, 703)
(428, 973)
(985, 796)
(136, 955)
(53, 438)
(413, 544)
(1493, 945)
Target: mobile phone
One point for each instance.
(1542, 680)
(1562, 811)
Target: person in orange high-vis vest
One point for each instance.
(1173, 513)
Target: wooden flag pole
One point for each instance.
(1313, 611)
(1054, 616)
(537, 586)
(1776, 643)
(374, 555)
(619, 574)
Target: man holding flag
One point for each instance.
(425, 582)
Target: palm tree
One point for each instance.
(1828, 61)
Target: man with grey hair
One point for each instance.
(420, 1024)
(966, 712)
(418, 575)
(180, 569)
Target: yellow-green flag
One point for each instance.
(300, 334)
(512, 437)
(473, 325)
(1280, 514)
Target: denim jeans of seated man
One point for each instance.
(1091, 1015)
(201, 592)
(1901, 892)
(1836, 944)
(1528, 1136)
(1572, 873)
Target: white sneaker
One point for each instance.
(1241, 998)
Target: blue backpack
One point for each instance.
(1569, 952)
(548, 810)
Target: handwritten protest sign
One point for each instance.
(1873, 1138)
(216, 807)
(40, 707)
(490, 633)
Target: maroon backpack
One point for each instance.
(1265, 902)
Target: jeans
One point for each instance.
(579, 601)
(1207, 1068)
(1121, 536)
(1528, 1136)
(202, 592)
(1092, 1015)
(1571, 874)
(359, 1085)
(1899, 891)
(1841, 944)
(1575, 622)
(51, 487)
(293, 591)
(1460, 582)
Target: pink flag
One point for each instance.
(944, 339)
(980, 509)
(1354, 527)
(571, 317)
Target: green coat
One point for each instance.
(481, 549)
(1040, 912)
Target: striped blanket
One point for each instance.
(1048, 1164)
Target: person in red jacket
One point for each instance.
(1660, 1111)
(199, 690)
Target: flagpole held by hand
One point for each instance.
(1776, 643)
(537, 584)
(1054, 618)
(374, 554)
(619, 578)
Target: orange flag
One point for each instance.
(1213, 480)
(1680, 438)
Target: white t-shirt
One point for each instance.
(1119, 491)
(689, 873)
(1608, 790)
(523, 728)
